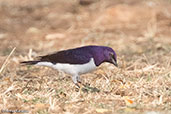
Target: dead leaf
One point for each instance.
(128, 101)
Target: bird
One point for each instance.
(76, 61)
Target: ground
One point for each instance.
(138, 30)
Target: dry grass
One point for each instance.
(141, 83)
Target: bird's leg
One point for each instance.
(74, 79)
(79, 79)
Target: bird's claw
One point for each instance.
(77, 85)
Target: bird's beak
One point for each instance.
(114, 62)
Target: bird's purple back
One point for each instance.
(79, 55)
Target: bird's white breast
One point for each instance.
(73, 69)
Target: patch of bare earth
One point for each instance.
(138, 30)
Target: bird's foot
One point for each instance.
(80, 82)
(77, 85)
(87, 84)
(78, 79)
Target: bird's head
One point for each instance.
(110, 56)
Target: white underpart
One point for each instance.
(73, 69)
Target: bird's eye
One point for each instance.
(112, 56)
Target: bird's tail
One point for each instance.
(29, 62)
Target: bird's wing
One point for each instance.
(67, 56)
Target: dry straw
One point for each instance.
(7, 60)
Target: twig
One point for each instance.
(6, 61)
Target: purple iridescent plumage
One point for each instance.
(80, 55)
(77, 61)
